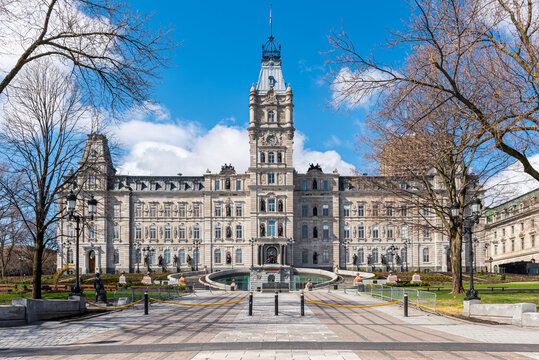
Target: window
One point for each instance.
(218, 232)
(403, 186)
(346, 232)
(70, 233)
(426, 211)
(503, 248)
(271, 157)
(325, 231)
(238, 185)
(346, 210)
(389, 257)
(533, 240)
(304, 231)
(315, 185)
(217, 209)
(217, 257)
(522, 243)
(196, 256)
(360, 210)
(239, 257)
(196, 210)
(361, 232)
(262, 157)
(152, 257)
(138, 210)
(403, 210)
(91, 180)
(181, 232)
(390, 231)
(153, 232)
(239, 232)
(315, 232)
(182, 210)
(389, 210)
(116, 210)
(374, 259)
(304, 210)
(521, 226)
(167, 256)
(217, 185)
(512, 229)
(512, 245)
(404, 231)
(325, 210)
(182, 256)
(239, 210)
(375, 232)
(271, 228)
(304, 185)
(167, 232)
(404, 255)
(325, 256)
(304, 256)
(70, 256)
(360, 256)
(271, 115)
(196, 232)
(375, 210)
(153, 210)
(271, 178)
(139, 186)
(315, 211)
(325, 185)
(91, 232)
(116, 256)
(426, 232)
(271, 205)
(426, 255)
(167, 210)
(279, 157)
(138, 232)
(116, 231)
(495, 249)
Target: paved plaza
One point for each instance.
(227, 332)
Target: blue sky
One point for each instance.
(220, 54)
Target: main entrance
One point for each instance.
(91, 262)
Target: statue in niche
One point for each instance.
(271, 255)
(315, 258)
(262, 230)
(228, 232)
(280, 206)
(228, 258)
(228, 211)
(227, 184)
(262, 205)
(280, 230)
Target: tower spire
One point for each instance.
(271, 23)
(271, 50)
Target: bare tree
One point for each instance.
(42, 139)
(111, 50)
(480, 54)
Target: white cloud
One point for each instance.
(510, 183)
(171, 147)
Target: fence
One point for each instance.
(157, 292)
(421, 299)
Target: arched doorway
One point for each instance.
(91, 262)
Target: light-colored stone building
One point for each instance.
(510, 233)
(269, 214)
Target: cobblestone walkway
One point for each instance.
(227, 332)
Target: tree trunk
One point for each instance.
(38, 265)
(456, 261)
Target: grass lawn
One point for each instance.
(5, 299)
(513, 285)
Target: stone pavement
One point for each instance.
(227, 332)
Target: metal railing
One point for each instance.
(419, 298)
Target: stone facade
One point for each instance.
(270, 214)
(510, 233)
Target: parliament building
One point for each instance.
(269, 214)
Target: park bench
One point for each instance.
(92, 288)
(7, 288)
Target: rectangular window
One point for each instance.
(304, 210)
(512, 229)
(304, 256)
(217, 185)
(325, 186)
(512, 245)
(403, 210)
(271, 205)
(181, 232)
(390, 232)
(167, 232)
(238, 185)
(153, 210)
(346, 210)
(375, 232)
(503, 248)
(346, 232)
(361, 232)
(138, 210)
(91, 180)
(116, 210)
(271, 178)
(375, 210)
(196, 210)
(91, 231)
(325, 256)
(426, 211)
(271, 228)
(389, 210)
(304, 231)
(325, 231)
(138, 232)
(522, 243)
(495, 249)
(325, 210)
(533, 240)
(217, 209)
(196, 232)
(153, 232)
(218, 231)
(181, 210)
(426, 233)
(304, 185)
(116, 231)
(360, 210)
(139, 186)
(239, 232)
(404, 232)
(167, 210)
(239, 210)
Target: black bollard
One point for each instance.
(405, 302)
(276, 303)
(146, 303)
(251, 303)
(302, 304)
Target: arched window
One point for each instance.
(262, 157)
(262, 205)
(315, 184)
(271, 157)
(167, 256)
(304, 231)
(279, 157)
(138, 256)
(218, 234)
(196, 255)
(239, 232)
(360, 256)
(315, 232)
(404, 255)
(239, 257)
(374, 259)
(389, 255)
(182, 256)
(167, 232)
(153, 232)
(217, 257)
(280, 206)
(315, 211)
(271, 116)
(425, 254)
(196, 232)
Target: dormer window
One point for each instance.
(271, 116)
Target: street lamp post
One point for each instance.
(471, 294)
(197, 254)
(252, 241)
(137, 254)
(92, 207)
(291, 243)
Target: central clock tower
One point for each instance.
(271, 139)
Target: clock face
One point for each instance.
(271, 140)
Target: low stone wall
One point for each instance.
(520, 314)
(364, 275)
(26, 311)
